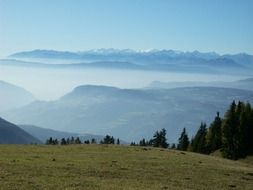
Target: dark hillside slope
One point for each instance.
(43, 134)
(12, 134)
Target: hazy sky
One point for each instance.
(224, 26)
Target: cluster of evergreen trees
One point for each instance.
(233, 134)
(63, 141)
(159, 140)
(107, 140)
(52, 141)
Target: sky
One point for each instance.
(223, 26)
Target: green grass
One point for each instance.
(117, 167)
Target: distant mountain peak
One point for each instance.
(12, 96)
(150, 59)
(109, 51)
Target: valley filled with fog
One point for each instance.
(123, 93)
(50, 84)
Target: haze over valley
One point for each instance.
(61, 72)
(125, 93)
(129, 94)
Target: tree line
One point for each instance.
(232, 135)
(159, 140)
(70, 141)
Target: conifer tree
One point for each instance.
(108, 140)
(249, 129)
(55, 142)
(49, 141)
(78, 141)
(230, 124)
(63, 141)
(245, 132)
(142, 142)
(93, 141)
(199, 141)
(159, 139)
(72, 140)
(183, 141)
(68, 141)
(214, 134)
(173, 146)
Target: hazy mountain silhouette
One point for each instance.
(12, 96)
(130, 113)
(161, 60)
(124, 54)
(245, 84)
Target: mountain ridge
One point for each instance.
(13, 96)
(40, 53)
(157, 60)
(130, 114)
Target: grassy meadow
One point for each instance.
(112, 167)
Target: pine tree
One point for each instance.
(78, 141)
(63, 141)
(68, 141)
(72, 140)
(142, 142)
(108, 140)
(214, 134)
(49, 141)
(173, 146)
(93, 141)
(112, 140)
(249, 129)
(159, 139)
(239, 134)
(118, 141)
(199, 141)
(55, 142)
(229, 141)
(164, 143)
(245, 131)
(183, 141)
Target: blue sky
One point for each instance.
(224, 26)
